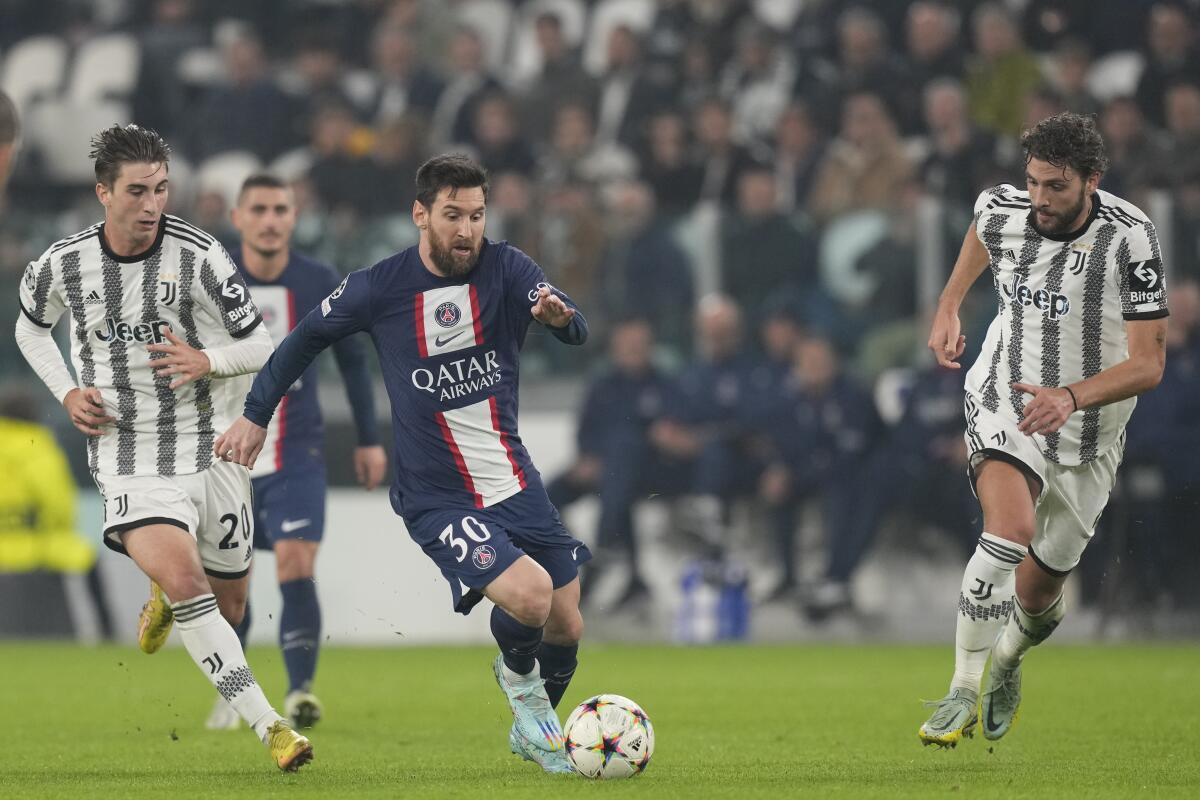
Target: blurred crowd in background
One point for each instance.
(754, 201)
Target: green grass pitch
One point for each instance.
(736, 722)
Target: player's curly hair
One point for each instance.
(127, 144)
(454, 171)
(1067, 140)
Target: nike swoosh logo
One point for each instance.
(574, 557)
(991, 723)
(440, 342)
(289, 525)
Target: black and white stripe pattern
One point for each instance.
(1052, 340)
(1002, 552)
(1029, 252)
(165, 419)
(72, 278)
(41, 292)
(1093, 333)
(977, 612)
(235, 682)
(972, 414)
(203, 386)
(187, 232)
(189, 610)
(993, 241)
(78, 238)
(118, 363)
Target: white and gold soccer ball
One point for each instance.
(609, 736)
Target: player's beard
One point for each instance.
(1061, 219)
(448, 263)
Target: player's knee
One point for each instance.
(531, 603)
(233, 609)
(183, 584)
(566, 630)
(294, 561)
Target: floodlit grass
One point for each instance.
(737, 722)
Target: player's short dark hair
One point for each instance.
(129, 144)
(10, 126)
(1067, 140)
(453, 171)
(261, 180)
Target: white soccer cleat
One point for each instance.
(222, 717)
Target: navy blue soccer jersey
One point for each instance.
(295, 436)
(449, 351)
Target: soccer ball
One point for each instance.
(609, 736)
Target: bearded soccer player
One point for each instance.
(161, 326)
(448, 318)
(1080, 333)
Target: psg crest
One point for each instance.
(483, 556)
(447, 315)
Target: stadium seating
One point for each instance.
(34, 69)
(105, 67)
(1115, 75)
(224, 173)
(61, 131)
(492, 20)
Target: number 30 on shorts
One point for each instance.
(474, 530)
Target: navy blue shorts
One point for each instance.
(289, 504)
(473, 546)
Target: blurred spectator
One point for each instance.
(765, 256)
(720, 157)
(512, 212)
(1002, 72)
(469, 83)
(918, 470)
(496, 136)
(757, 83)
(962, 160)
(561, 80)
(1186, 226)
(1183, 125)
(866, 64)
(574, 154)
(572, 242)
(340, 174)
(708, 422)
(10, 131)
(318, 77)
(799, 149)
(667, 166)
(615, 458)
(403, 84)
(697, 75)
(931, 35)
(627, 94)
(821, 426)
(1041, 102)
(1170, 53)
(644, 269)
(1136, 152)
(1068, 73)
(864, 166)
(161, 97)
(397, 152)
(250, 112)
(38, 536)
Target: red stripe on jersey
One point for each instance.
(283, 406)
(508, 451)
(476, 316)
(459, 461)
(419, 313)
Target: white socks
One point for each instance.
(1023, 631)
(216, 650)
(984, 604)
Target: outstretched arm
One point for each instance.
(946, 339)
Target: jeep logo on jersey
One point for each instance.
(144, 332)
(447, 315)
(1052, 304)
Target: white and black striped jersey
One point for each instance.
(1063, 305)
(117, 305)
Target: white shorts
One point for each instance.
(213, 505)
(1071, 499)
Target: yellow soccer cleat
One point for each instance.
(289, 749)
(155, 621)
(956, 716)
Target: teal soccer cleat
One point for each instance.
(536, 725)
(1001, 701)
(550, 762)
(955, 718)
